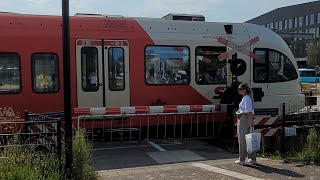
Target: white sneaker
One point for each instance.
(240, 162)
(254, 162)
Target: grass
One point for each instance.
(25, 163)
(82, 153)
(308, 86)
(310, 153)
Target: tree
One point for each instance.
(313, 52)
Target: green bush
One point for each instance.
(82, 153)
(24, 163)
(311, 153)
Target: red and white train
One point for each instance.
(124, 61)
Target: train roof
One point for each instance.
(100, 21)
(157, 27)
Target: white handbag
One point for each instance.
(253, 141)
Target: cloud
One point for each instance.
(39, 2)
(213, 10)
(178, 6)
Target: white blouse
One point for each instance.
(245, 105)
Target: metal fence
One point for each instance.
(288, 128)
(39, 132)
(296, 125)
(136, 127)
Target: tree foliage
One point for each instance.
(313, 52)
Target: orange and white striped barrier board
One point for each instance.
(147, 109)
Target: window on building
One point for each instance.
(311, 19)
(167, 65)
(276, 26)
(45, 72)
(267, 26)
(273, 66)
(313, 31)
(317, 32)
(280, 25)
(10, 80)
(307, 20)
(285, 24)
(300, 21)
(300, 31)
(271, 26)
(116, 69)
(209, 70)
(295, 22)
(306, 31)
(290, 23)
(318, 18)
(89, 69)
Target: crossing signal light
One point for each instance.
(238, 67)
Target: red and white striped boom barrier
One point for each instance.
(146, 109)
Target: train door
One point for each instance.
(116, 66)
(89, 73)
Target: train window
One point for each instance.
(89, 69)
(45, 73)
(260, 69)
(273, 66)
(280, 68)
(167, 65)
(209, 70)
(275, 69)
(116, 69)
(10, 73)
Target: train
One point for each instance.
(119, 61)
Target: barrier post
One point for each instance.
(191, 126)
(59, 143)
(213, 125)
(207, 125)
(165, 126)
(26, 115)
(26, 128)
(174, 126)
(181, 126)
(282, 148)
(140, 128)
(158, 126)
(197, 125)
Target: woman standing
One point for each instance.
(245, 122)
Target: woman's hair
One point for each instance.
(246, 87)
(248, 90)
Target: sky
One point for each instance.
(213, 10)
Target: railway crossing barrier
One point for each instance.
(266, 125)
(136, 122)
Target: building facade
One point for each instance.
(299, 20)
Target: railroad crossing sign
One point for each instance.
(237, 48)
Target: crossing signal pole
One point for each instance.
(67, 87)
